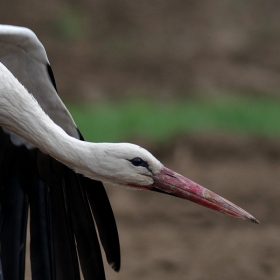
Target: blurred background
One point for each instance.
(195, 82)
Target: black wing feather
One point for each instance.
(105, 221)
(84, 228)
(63, 242)
(51, 75)
(14, 212)
(39, 204)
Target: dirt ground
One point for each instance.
(164, 237)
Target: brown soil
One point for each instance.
(164, 237)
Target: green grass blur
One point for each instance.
(160, 120)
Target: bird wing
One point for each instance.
(62, 203)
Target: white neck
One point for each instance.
(20, 113)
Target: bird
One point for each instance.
(45, 163)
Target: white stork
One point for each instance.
(61, 200)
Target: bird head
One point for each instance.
(132, 166)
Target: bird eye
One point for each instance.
(139, 162)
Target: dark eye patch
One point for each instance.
(137, 161)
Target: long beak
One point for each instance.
(170, 182)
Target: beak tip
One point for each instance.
(254, 220)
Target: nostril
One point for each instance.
(170, 175)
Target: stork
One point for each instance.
(43, 159)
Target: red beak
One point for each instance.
(170, 182)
